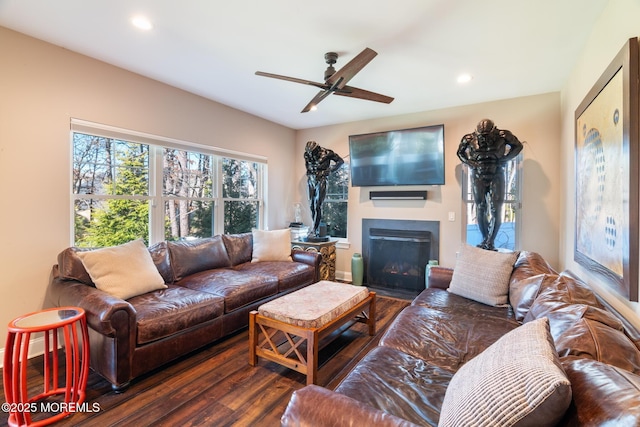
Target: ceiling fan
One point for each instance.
(336, 81)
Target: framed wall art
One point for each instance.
(606, 172)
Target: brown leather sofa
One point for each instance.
(403, 381)
(212, 285)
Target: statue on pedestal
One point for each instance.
(486, 151)
(320, 162)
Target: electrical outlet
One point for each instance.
(452, 216)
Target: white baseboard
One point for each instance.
(36, 348)
(343, 276)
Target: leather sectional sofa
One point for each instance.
(210, 286)
(448, 359)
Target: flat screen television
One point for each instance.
(398, 157)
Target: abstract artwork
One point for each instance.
(607, 175)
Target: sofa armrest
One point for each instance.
(307, 257)
(99, 306)
(439, 277)
(319, 407)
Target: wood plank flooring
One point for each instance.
(215, 386)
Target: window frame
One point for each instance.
(156, 197)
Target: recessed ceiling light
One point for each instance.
(464, 78)
(141, 22)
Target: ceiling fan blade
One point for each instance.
(352, 68)
(316, 100)
(293, 79)
(354, 92)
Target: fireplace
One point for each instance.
(396, 253)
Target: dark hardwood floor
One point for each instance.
(216, 386)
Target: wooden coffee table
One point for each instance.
(289, 330)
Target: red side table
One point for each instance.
(71, 323)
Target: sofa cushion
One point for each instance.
(530, 264)
(441, 300)
(123, 271)
(163, 313)
(603, 395)
(192, 256)
(588, 338)
(563, 291)
(273, 245)
(566, 301)
(70, 266)
(239, 247)
(237, 288)
(565, 316)
(517, 381)
(446, 339)
(290, 275)
(483, 275)
(523, 292)
(399, 384)
(162, 259)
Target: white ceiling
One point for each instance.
(212, 48)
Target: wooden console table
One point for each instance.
(327, 251)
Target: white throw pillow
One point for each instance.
(274, 245)
(123, 271)
(483, 275)
(517, 380)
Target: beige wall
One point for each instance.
(617, 23)
(535, 120)
(41, 88)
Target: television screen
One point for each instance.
(399, 157)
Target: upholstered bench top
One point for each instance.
(316, 305)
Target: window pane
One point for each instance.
(188, 219)
(100, 223)
(334, 214)
(109, 167)
(187, 174)
(240, 179)
(240, 216)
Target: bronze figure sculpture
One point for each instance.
(320, 162)
(486, 151)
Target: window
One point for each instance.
(509, 233)
(200, 193)
(334, 210)
(111, 191)
(241, 195)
